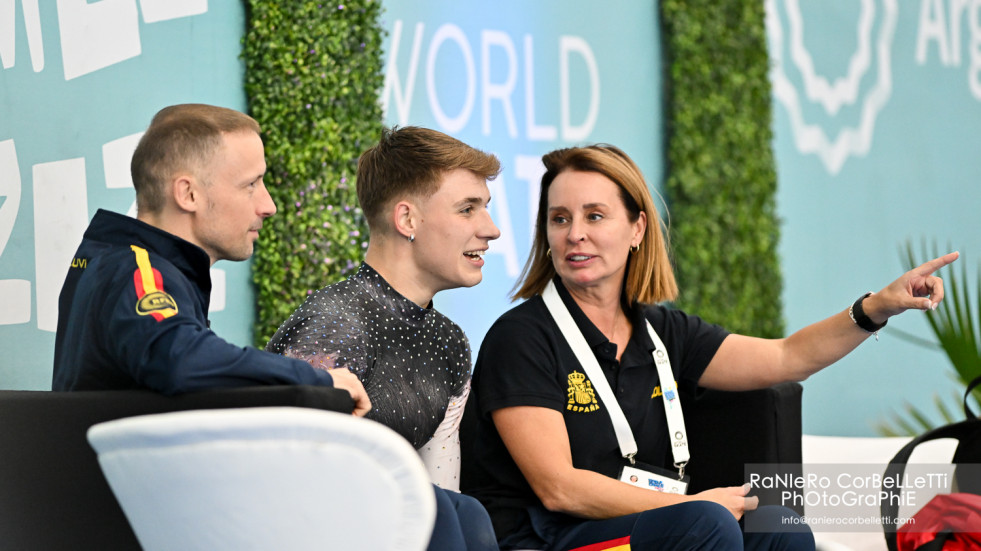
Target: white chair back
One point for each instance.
(266, 478)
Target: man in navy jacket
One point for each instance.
(133, 312)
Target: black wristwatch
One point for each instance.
(861, 319)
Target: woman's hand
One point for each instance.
(733, 498)
(917, 289)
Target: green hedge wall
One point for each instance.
(313, 78)
(721, 178)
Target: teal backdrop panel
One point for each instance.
(877, 106)
(79, 83)
(519, 79)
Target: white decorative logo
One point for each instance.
(811, 138)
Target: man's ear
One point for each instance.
(186, 193)
(405, 218)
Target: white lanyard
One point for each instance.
(669, 388)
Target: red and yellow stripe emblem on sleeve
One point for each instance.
(618, 544)
(152, 300)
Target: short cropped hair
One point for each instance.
(180, 137)
(649, 277)
(411, 161)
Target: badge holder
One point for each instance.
(654, 478)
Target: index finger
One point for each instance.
(931, 266)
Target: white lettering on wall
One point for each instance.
(932, 28)
(533, 131)
(8, 40)
(939, 30)
(218, 290)
(574, 54)
(60, 218)
(567, 46)
(15, 294)
(116, 157)
(393, 85)
(500, 91)
(94, 35)
(165, 10)
(455, 34)
(975, 49)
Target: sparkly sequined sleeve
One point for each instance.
(319, 328)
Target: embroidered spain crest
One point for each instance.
(582, 397)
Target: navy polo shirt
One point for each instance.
(525, 361)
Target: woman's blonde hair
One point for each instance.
(649, 277)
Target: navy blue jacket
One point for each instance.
(133, 313)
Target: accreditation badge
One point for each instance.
(654, 478)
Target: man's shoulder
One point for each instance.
(328, 312)
(126, 248)
(127, 259)
(338, 301)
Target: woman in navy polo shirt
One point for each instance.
(586, 353)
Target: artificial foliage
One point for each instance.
(313, 77)
(721, 179)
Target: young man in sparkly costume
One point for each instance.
(425, 197)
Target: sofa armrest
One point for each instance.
(729, 430)
(52, 492)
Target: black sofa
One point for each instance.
(53, 495)
(729, 430)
